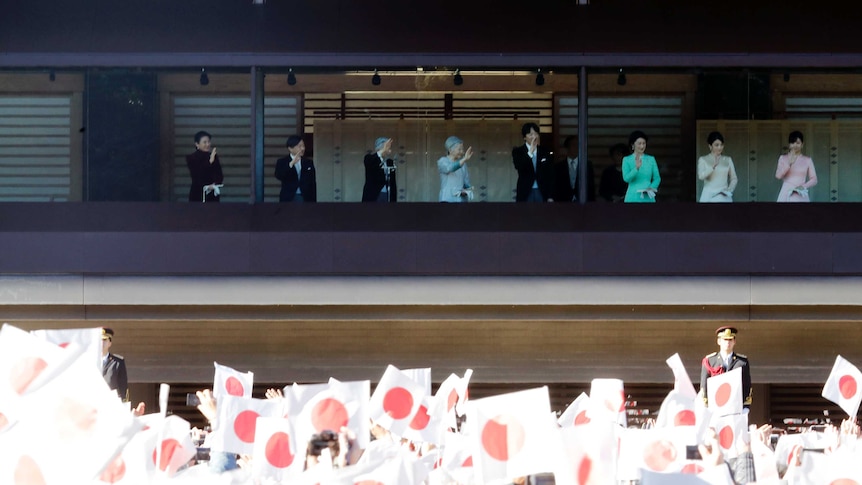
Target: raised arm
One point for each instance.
(783, 167)
(704, 168)
(629, 170)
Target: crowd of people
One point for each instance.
(633, 177)
(61, 423)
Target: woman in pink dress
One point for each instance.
(793, 169)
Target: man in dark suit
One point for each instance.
(114, 366)
(297, 174)
(726, 360)
(567, 178)
(380, 184)
(535, 168)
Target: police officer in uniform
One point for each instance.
(726, 360)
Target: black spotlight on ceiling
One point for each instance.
(458, 80)
(52, 76)
(375, 79)
(621, 78)
(204, 78)
(787, 77)
(540, 78)
(291, 78)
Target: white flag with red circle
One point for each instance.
(462, 387)
(607, 401)
(844, 386)
(513, 435)
(230, 382)
(89, 340)
(445, 400)
(576, 413)
(237, 421)
(659, 450)
(136, 463)
(27, 362)
(331, 406)
(68, 430)
(174, 446)
(731, 432)
(724, 393)
(277, 453)
(395, 401)
(425, 427)
(590, 454)
(457, 457)
(677, 409)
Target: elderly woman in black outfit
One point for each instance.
(205, 170)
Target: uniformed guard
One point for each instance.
(726, 360)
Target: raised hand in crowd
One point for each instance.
(274, 394)
(207, 407)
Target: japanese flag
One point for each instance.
(136, 463)
(660, 450)
(230, 382)
(681, 381)
(513, 435)
(330, 407)
(237, 421)
(607, 401)
(844, 386)
(395, 401)
(590, 452)
(425, 427)
(457, 458)
(463, 390)
(174, 447)
(731, 432)
(725, 393)
(446, 399)
(845, 469)
(677, 409)
(277, 453)
(27, 362)
(576, 413)
(89, 340)
(68, 431)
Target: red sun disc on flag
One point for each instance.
(234, 386)
(468, 462)
(725, 437)
(278, 452)
(368, 482)
(503, 437)
(618, 404)
(585, 469)
(844, 481)
(658, 455)
(421, 419)
(397, 403)
(74, 419)
(3, 420)
(24, 372)
(847, 386)
(244, 425)
(27, 472)
(63, 345)
(722, 394)
(329, 414)
(451, 400)
(169, 447)
(581, 418)
(684, 418)
(692, 469)
(115, 471)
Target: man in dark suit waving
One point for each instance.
(535, 168)
(114, 366)
(380, 183)
(296, 173)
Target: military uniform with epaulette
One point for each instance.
(713, 365)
